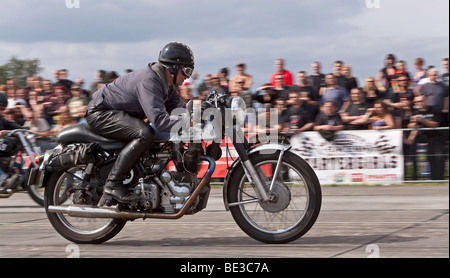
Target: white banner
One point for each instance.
(353, 157)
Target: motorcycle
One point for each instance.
(15, 178)
(273, 195)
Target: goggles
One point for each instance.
(187, 71)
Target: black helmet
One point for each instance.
(176, 53)
(3, 100)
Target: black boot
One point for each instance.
(120, 170)
(119, 192)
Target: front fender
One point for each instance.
(262, 148)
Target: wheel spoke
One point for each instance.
(64, 193)
(290, 199)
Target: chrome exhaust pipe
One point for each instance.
(93, 212)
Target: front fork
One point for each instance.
(249, 169)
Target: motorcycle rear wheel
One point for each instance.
(76, 229)
(295, 200)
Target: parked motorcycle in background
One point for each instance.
(18, 155)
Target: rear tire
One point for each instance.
(35, 194)
(76, 229)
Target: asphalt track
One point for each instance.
(355, 222)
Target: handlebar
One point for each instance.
(15, 131)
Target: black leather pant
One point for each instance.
(118, 125)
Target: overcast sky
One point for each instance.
(117, 34)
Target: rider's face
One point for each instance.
(180, 78)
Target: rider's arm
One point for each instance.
(153, 100)
(7, 125)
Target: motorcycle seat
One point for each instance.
(83, 133)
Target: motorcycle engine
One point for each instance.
(176, 190)
(169, 192)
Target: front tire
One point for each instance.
(295, 200)
(76, 229)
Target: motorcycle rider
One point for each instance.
(5, 125)
(118, 110)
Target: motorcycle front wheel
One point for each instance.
(294, 201)
(60, 190)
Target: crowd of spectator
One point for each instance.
(336, 101)
(317, 101)
(393, 98)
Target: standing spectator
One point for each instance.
(98, 79)
(298, 116)
(34, 83)
(420, 71)
(306, 93)
(304, 89)
(52, 104)
(380, 116)
(281, 90)
(11, 115)
(13, 100)
(405, 110)
(217, 86)
(266, 123)
(266, 94)
(241, 75)
(423, 81)
(316, 80)
(243, 91)
(33, 99)
(47, 90)
(63, 119)
(352, 82)
(281, 107)
(426, 117)
(80, 82)
(371, 92)
(387, 74)
(35, 124)
(223, 75)
(11, 84)
(335, 93)
(62, 79)
(445, 81)
(436, 94)
(77, 101)
(287, 75)
(328, 121)
(341, 79)
(22, 96)
(444, 76)
(353, 117)
(400, 90)
(112, 76)
(400, 69)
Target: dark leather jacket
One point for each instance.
(143, 94)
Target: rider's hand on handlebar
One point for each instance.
(3, 133)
